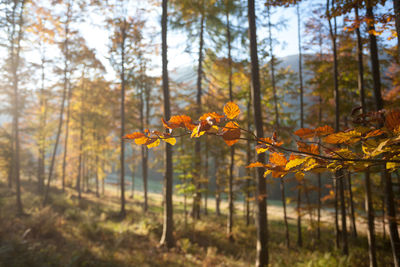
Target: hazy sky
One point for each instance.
(97, 38)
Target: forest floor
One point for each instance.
(89, 232)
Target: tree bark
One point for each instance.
(390, 206)
(143, 149)
(396, 8)
(261, 191)
(122, 153)
(249, 160)
(167, 238)
(197, 147)
(232, 148)
(339, 174)
(66, 138)
(368, 197)
(64, 94)
(370, 215)
(351, 204)
(15, 63)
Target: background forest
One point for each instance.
(199, 133)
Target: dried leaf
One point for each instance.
(231, 133)
(305, 133)
(231, 110)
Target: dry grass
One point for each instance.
(89, 232)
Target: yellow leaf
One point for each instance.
(171, 140)
(231, 110)
(154, 144)
(266, 173)
(142, 140)
(295, 162)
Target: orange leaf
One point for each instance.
(374, 133)
(303, 147)
(179, 121)
(134, 135)
(324, 130)
(211, 116)
(305, 133)
(278, 159)
(392, 120)
(231, 110)
(231, 133)
(255, 165)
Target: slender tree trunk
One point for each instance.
(64, 94)
(382, 186)
(122, 155)
(42, 136)
(368, 197)
(232, 148)
(97, 168)
(282, 184)
(319, 208)
(133, 179)
(206, 183)
(261, 191)
(66, 138)
(370, 216)
(197, 148)
(396, 8)
(249, 160)
(339, 174)
(15, 62)
(391, 215)
(217, 186)
(167, 238)
(144, 157)
(390, 206)
(351, 204)
(79, 178)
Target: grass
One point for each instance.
(89, 232)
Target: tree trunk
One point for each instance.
(122, 155)
(390, 206)
(197, 147)
(143, 148)
(66, 138)
(261, 191)
(339, 174)
(284, 212)
(78, 179)
(206, 175)
(370, 215)
(167, 238)
(42, 136)
(15, 62)
(64, 94)
(396, 8)
(232, 148)
(391, 215)
(368, 197)
(217, 186)
(351, 204)
(319, 208)
(249, 160)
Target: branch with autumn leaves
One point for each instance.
(318, 149)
